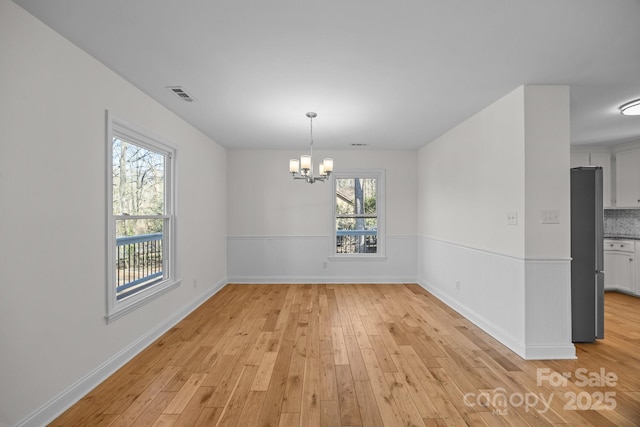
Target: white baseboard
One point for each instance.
(320, 279)
(498, 333)
(550, 352)
(621, 291)
(60, 403)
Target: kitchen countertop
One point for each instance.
(622, 237)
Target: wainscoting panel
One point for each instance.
(305, 259)
(548, 309)
(485, 287)
(524, 304)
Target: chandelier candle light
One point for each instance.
(303, 168)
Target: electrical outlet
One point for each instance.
(512, 218)
(195, 283)
(458, 284)
(550, 217)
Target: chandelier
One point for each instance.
(303, 168)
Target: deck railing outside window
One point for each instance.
(139, 261)
(356, 241)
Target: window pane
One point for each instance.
(369, 195)
(138, 180)
(355, 196)
(139, 255)
(345, 196)
(356, 235)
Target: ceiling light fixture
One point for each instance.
(631, 108)
(303, 168)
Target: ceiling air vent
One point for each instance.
(181, 93)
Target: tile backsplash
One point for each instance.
(622, 222)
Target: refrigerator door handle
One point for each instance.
(600, 279)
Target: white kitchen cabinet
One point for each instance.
(619, 272)
(628, 179)
(620, 266)
(597, 159)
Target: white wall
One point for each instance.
(472, 176)
(279, 228)
(53, 338)
(512, 280)
(547, 177)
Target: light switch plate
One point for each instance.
(512, 218)
(550, 217)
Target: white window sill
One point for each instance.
(357, 258)
(143, 299)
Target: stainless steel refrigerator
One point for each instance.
(587, 275)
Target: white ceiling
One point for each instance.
(393, 74)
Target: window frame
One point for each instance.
(124, 130)
(379, 176)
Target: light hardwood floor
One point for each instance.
(361, 355)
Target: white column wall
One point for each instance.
(547, 246)
(55, 345)
(512, 280)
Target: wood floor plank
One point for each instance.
(165, 420)
(258, 348)
(265, 369)
(409, 379)
(328, 387)
(329, 413)
(361, 335)
(310, 410)
(233, 408)
(154, 410)
(350, 355)
(367, 404)
(209, 417)
(406, 407)
(192, 412)
(383, 356)
(121, 397)
(252, 407)
(324, 320)
(270, 413)
(386, 404)
(140, 403)
(295, 380)
(289, 419)
(358, 370)
(340, 355)
(312, 343)
(224, 388)
(182, 398)
(349, 410)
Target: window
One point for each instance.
(141, 219)
(358, 214)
